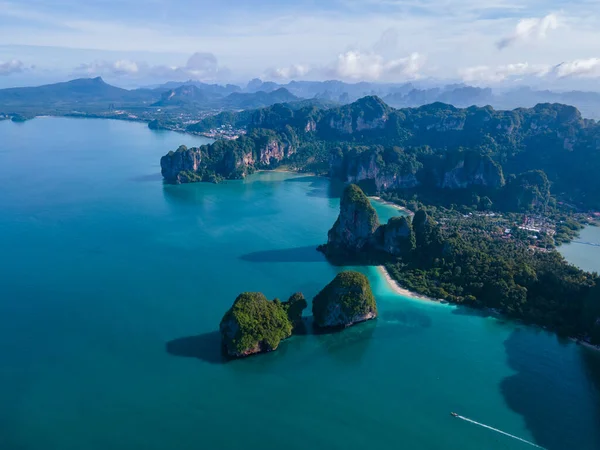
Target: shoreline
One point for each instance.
(392, 205)
(393, 284)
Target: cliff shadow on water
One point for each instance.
(545, 393)
(206, 347)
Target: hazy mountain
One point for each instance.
(204, 87)
(84, 90)
(259, 99)
(94, 94)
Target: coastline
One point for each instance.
(393, 205)
(393, 284)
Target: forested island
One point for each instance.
(256, 325)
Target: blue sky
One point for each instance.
(135, 42)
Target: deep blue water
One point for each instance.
(113, 286)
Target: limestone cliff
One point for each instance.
(225, 159)
(358, 236)
(368, 113)
(368, 168)
(356, 223)
(345, 301)
(398, 236)
(472, 170)
(175, 166)
(275, 151)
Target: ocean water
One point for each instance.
(581, 253)
(113, 286)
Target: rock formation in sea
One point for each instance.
(256, 325)
(357, 235)
(356, 224)
(345, 301)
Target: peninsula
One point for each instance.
(468, 266)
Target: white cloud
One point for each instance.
(116, 68)
(370, 66)
(579, 68)
(200, 66)
(358, 65)
(501, 73)
(288, 73)
(12, 66)
(528, 29)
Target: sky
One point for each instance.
(498, 43)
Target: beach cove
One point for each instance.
(114, 284)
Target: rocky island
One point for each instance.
(346, 301)
(257, 325)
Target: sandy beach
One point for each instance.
(400, 290)
(393, 205)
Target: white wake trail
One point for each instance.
(499, 431)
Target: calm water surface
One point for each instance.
(581, 253)
(113, 286)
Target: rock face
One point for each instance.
(368, 113)
(345, 301)
(254, 325)
(361, 170)
(175, 165)
(473, 170)
(358, 236)
(398, 236)
(274, 151)
(356, 223)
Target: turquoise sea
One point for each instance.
(113, 286)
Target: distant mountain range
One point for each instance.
(192, 95)
(94, 95)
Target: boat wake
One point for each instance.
(498, 431)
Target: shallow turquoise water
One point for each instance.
(113, 286)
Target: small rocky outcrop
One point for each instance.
(353, 231)
(294, 307)
(175, 166)
(345, 301)
(256, 325)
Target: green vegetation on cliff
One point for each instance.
(255, 324)
(345, 301)
(517, 160)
